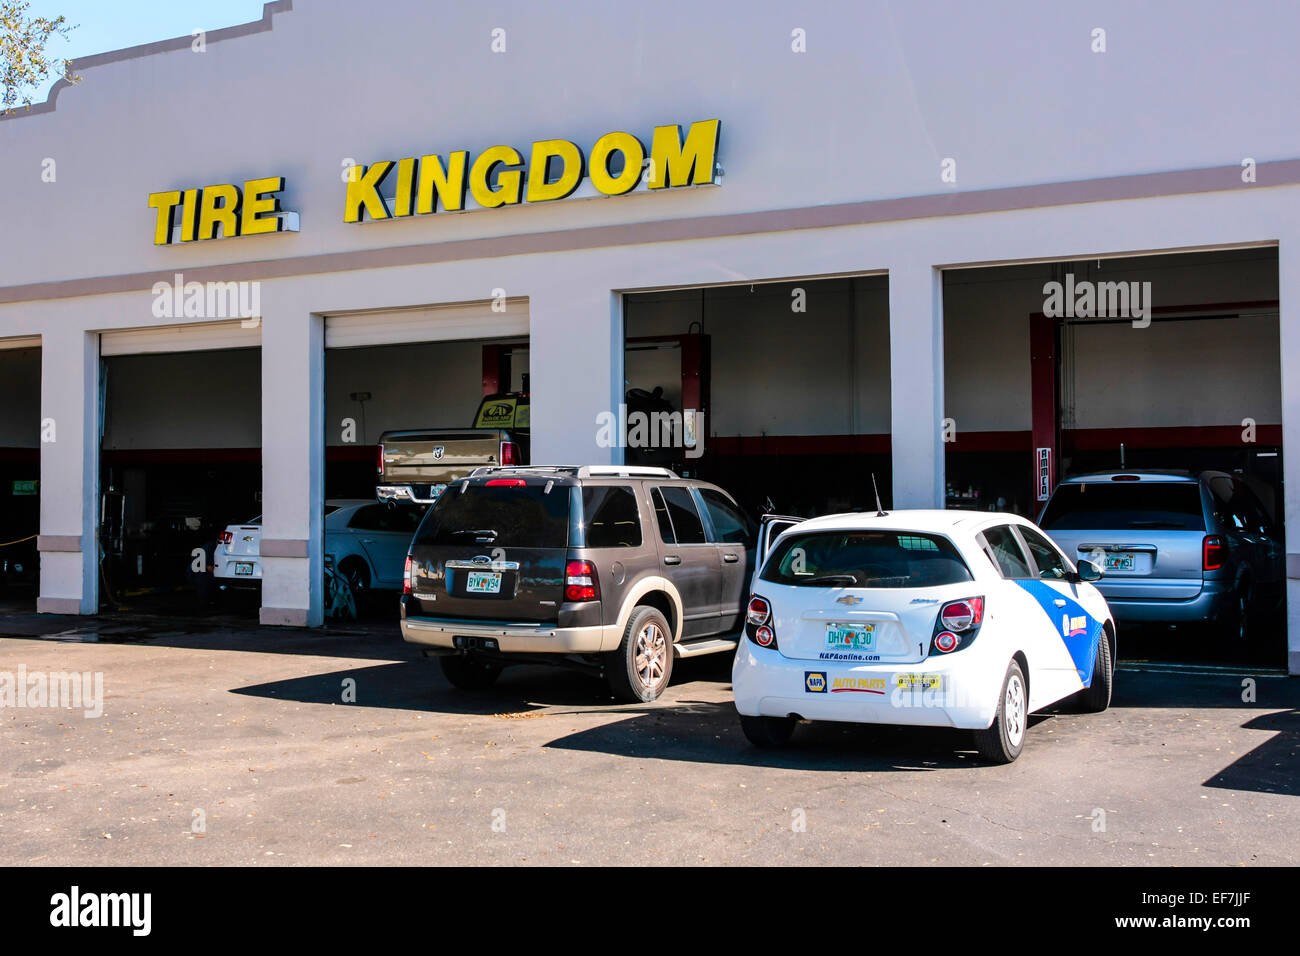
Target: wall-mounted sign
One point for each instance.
(554, 169)
(221, 212)
(1044, 456)
(21, 487)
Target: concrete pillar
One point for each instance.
(1288, 263)
(575, 342)
(916, 385)
(293, 464)
(69, 472)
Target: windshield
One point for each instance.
(1107, 505)
(501, 516)
(865, 559)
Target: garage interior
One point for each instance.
(792, 378)
(180, 460)
(20, 472)
(411, 369)
(1198, 389)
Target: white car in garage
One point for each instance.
(935, 618)
(368, 541)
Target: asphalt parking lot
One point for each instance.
(346, 747)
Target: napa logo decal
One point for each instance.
(814, 682)
(1074, 626)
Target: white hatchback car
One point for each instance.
(368, 541)
(936, 618)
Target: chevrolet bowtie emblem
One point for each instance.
(848, 599)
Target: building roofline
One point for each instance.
(264, 25)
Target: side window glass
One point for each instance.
(1050, 563)
(729, 522)
(686, 520)
(611, 517)
(1008, 554)
(661, 514)
(369, 518)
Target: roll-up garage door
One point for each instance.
(197, 337)
(21, 342)
(462, 320)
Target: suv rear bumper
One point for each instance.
(510, 637)
(1209, 604)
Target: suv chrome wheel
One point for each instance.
(651, 653)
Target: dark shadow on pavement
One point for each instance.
(1273, 766)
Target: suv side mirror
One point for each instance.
(1089, 571)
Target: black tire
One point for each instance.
(768, 733)
(1239, 619)
(639, 671)
(358, 578)
(469, 673)
(1005, 737)
(1095, 698)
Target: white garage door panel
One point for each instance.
(180, 338)
(440, 323)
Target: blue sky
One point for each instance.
(103, 25)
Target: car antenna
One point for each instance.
(880, 509)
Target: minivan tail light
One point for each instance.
(406, 576)
(508, 453)
(580, 581)
(1212, 553)
(962, 615)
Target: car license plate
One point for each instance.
(1119, 562)
(244, 567)
(850, 637)
(483, 582)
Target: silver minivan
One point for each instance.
(1176, 547)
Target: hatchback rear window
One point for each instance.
(504, 516)
(865, 559)
(1106, 505)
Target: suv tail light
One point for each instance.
(226, 537)
(957, 625)
(380, 463)
(1212, 553)
(758, 622)
(406, 576)
(508, 453)
(580, 582)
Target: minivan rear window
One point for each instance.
(505, 516)
(865, 559)
(1137, 505)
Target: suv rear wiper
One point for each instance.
(829, 578)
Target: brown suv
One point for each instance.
(616, 568)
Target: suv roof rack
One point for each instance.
(578, 471)
(625, 471)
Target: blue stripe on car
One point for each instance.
(1080, 639)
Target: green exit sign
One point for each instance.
(25, 487)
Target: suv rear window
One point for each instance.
(1107, 505)
(507, 516)
(865, 559)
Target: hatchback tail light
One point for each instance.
(580, 582)
(957, 625)
(406, 576)
(509, 453)
(1212, 553)
(226, 537)
(758, 622)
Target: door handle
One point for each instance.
(731, 558)
(672, 559)
(1059, 602)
